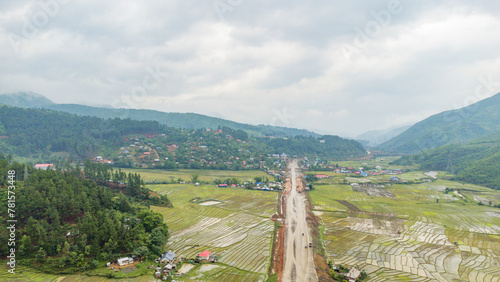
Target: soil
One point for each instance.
(321, 266)
(350, 206)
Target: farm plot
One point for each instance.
(412, 236)
(238, 228)
(203, 175)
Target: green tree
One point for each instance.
(41, 255)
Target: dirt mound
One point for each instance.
(350, 206)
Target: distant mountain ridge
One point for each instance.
(25, 100)
(376, 137)
(449, 127)
(177, 120)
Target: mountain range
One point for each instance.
(450, 127)
(177, 120)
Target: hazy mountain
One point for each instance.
(376, 137)
(449, 127)
(178, 120)
(25, 100)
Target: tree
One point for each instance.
(194, 178)
(257, 179)
(150, 220)
(41, 255)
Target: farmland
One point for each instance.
(204, 175)
(235, 225)
(422, 233)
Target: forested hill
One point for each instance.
(450, 127)
(477, 162)
(177, 120)
(45, 135)
(70, 223)
(26, 132)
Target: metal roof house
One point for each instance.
(166, 257)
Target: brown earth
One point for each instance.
(349, 205)
(321, 266)
(278, 253)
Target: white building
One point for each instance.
(125, 261)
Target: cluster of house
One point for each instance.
(277, 173)
(270, 186)
(168, 262)
(376, 171)
(100, 159)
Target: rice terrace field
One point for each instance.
(235, 225)
(204, 175)
(421, 233)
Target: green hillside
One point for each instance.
(450, 127)
(177, 120)
(476, 162)
(49, 135)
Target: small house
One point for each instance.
(353, 274)
(166, 257)
(205, 255)
(125, 261)
(222, 185)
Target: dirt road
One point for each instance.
(299, 261)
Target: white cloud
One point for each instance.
(261, 58)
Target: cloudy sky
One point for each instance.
(341, 67)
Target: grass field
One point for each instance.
(238, 229)
(204, 175)
(27, 274)
(411, 237)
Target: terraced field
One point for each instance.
(27, 274)
(204, 175)
(421, 234)
(238, 229)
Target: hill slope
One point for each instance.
(450, 127)
(177, 120)
(55, 135)
(477, 162)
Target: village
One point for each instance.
(166, 267)
(205, 152)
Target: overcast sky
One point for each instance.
(341, 67)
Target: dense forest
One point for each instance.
(39, 132)
(327, 146)
(47, 135)
(476, 162)
(70, 221)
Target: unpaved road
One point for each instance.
(299, 261)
